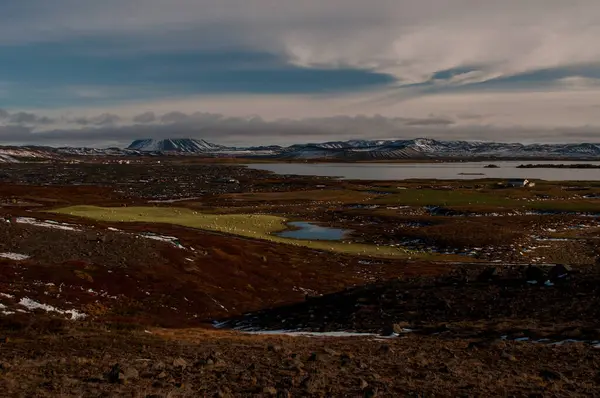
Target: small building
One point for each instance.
(520, 183)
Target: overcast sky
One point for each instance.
(99, 73)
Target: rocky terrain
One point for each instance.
(474, 305)
(71, 361)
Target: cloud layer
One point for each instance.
(115, 70)
(104, 130)
(108, 130)
(482, 39)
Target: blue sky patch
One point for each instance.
(52, 67)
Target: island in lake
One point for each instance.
(559, 166)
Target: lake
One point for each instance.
(310, 231)
(442, 170)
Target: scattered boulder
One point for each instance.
(275, 348)
(401, 327)
(270, 391)
(387, 330)
(159, 366)
(488, 275)
(559, 273)
(509, 357)
(550, 375)
(331, 352)
(131, 373)
(573, 333)
(180, 363)
(535, 274)
(115, 375)
(162, 375)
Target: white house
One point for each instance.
(520, 183)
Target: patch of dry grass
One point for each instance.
(257, 226)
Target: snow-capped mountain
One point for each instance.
(353, 150)
(428, 148)
(7, 159)
(14, 154)
(185, 145)
(82, 151)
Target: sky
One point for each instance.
(254, 72)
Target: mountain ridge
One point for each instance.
(350, 150)
(173, 145)
(430, 148)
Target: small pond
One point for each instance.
(309, 231)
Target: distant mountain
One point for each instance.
(15, 154)
(183, 145)
(427, 148)
(82, 151)
(353, 150)
(7, 159)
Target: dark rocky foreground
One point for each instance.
(518, 301)
(85, 360)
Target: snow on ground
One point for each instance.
(14, 256)
(6, 295)
(70, 227)
(174, 200)
(46, 224)
(319, 334)
(33, 305)
(3, 310)
(295, 333)
(169, 239)
(217, 302)
(299, 333)
(7, 159)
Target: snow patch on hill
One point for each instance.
(429, 148)
(174, 145)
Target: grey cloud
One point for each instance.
(256, 131)
(434, 121)
(469, 116)
(81, 120)
(102, 130)
(174, 117)
(4, 114)
(234, 130)
(147, 117)
(411, 40)
(22, 118)
(105, 119)
(101, 120)
(28, 118)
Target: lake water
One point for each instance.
(310, 231)
(442, 171)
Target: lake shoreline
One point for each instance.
(468, 171)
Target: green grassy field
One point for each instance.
(492, 199)
(256, 226)
(435, 197)
(325, 195)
